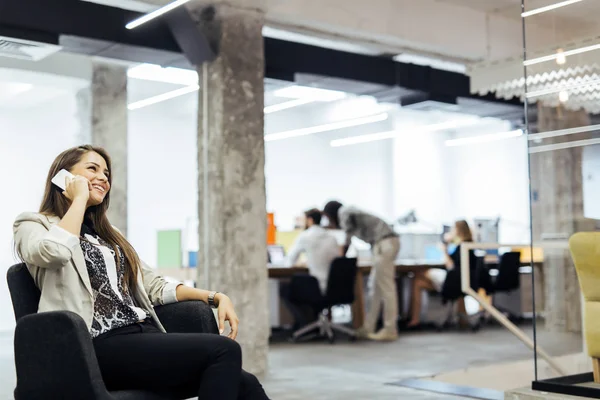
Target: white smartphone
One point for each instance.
(60, 179)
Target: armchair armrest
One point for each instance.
(54, 354)
(187, 317)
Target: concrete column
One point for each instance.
(102, 112)
(231, 157)
(557, 209)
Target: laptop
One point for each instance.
(276, 255)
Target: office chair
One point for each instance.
(508, 278)
(340, 291)
(452, 292)
(506, 284)
(54, 354)
(585, 251)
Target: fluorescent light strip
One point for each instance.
(153, 72)
(155, 14)
(392, 134)
(492, 137)
(561, 146)
(549, 8)
(431, 62)
(304, 92)
(364, 139)
(563, 132)
(327, 127)
(18, 88)
(287, 104)
(561, 54)
(544, 92)
(162, 97)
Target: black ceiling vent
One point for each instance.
(193, 42)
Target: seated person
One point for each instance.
(433, 279)
(321, 248)
(81, 263)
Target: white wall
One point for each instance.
(162, 179)
(591, 181)
(29, 141)
(421, 179)
(447, 183)
(491, 180)
(306, 172)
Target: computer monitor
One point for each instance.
(276, 254)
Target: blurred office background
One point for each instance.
(447, 139)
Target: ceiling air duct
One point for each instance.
(25, 49)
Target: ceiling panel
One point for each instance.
(583, 11)
(487, 6)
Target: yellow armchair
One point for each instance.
(585, 250)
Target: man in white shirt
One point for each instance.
(321, 248)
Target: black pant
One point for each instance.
(142, 357)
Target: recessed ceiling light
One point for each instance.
(561, 59)
(563, 96)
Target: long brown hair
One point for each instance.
(463, 230)
(55, 203)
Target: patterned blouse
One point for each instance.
(113, 303)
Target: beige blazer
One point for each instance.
(55, 260)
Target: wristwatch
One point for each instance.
(211, 299)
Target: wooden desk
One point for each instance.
(358, 307)
(403, 267)
(363, 268)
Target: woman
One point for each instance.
(81, 263)
(433, 279)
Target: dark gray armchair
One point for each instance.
(54, 354)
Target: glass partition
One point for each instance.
(562, 90)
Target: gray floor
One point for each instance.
(361, 370)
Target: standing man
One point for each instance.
(385, 245)
(321, 249)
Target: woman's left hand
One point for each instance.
(227, 313)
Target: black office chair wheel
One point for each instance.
(352, 338)
(331, 339)
(475, 328)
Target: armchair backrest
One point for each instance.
(23, 292)
(585, 251)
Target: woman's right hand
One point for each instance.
(78, 187)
